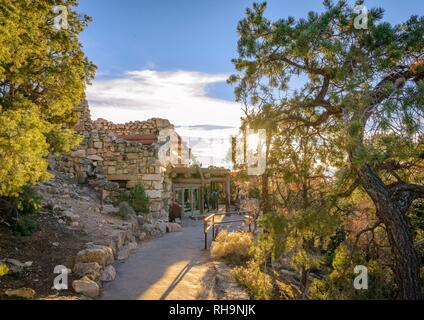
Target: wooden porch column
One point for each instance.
(192, 201)
(202, 200)
(208, 197)
(202, 192)
(227, 193)
(182, 197)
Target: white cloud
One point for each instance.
(181, 97)
(210, 147)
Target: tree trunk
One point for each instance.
(266, 207)
(266, 204)
(304, 282)
(406, 264)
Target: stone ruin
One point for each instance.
(114, 156)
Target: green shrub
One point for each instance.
(29, 201)
(26, 227)
(262, 285)
(234, 247)
(338, 285)
(258, 283)
(137, 198)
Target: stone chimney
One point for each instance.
(85, 124)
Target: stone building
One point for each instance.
(149, 152)
(128, 154)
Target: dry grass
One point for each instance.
(258, 283)
(234, 247)
(262, 285)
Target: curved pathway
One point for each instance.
(172, 267)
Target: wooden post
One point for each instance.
(192, 202)
(213, 227)
(228, 193)
(202, 200)
(207, 198)
(205, 230)
(182, 195)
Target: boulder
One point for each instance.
(126, 250)
(58, 209)
(148, 218)
(123, 254)
(174, 227)
(108, 274)
(71, 216)
(91, 270)
(125, 210)
(110, 209)
(101, 254)
(119, 238)
(150, 230)
(141, 219)
(106, 242)
(142, 236)
(132, 246)
(135, 225)
(24, 293)
(161, 227)
(87, 287)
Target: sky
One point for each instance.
(171, 58)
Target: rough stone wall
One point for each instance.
(171, 148)
(151, 126)
(126, 163)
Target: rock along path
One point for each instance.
(173, 267)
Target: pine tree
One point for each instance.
(43, 73)
(361, 95)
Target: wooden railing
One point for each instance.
(210, 222)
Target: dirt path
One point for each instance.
(173, 267)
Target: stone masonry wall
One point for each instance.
(152, 126)
(126, 163)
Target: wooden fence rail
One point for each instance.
(210, 222)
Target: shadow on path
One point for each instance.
(178, 279)
(170, 267)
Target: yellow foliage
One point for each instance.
(232, 246)
(258, 283)
(261, 285)
(286, 291)
(23, 149)
(3, 270)
(43, 74)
